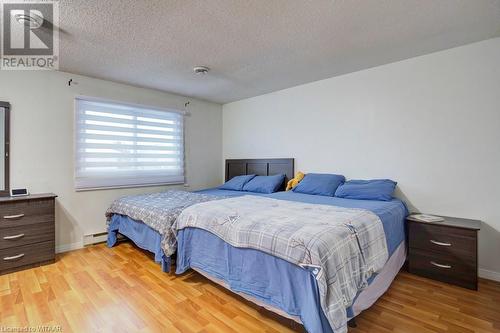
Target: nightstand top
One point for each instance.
(28, 197)
(455, 222)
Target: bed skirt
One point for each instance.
(273, 283)
(142, 235)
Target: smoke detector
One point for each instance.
(32, 20)
(201, 70)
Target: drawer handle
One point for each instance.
(13, 237)
(440, 243)
(10, 217)
(440, 265)
(19, 256)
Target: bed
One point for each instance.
(280, 286)
(146, 219)
(277, 285)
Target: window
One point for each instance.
(123, 145)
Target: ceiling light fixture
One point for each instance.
(33, 21)
(201, 70)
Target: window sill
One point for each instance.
(126, 186)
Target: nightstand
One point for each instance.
(444, 251)
(27, 237)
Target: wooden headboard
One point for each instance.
(260, 167)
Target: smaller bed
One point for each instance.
(146, 219)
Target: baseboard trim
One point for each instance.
(86, 241)
(490, 275)
(69, 247)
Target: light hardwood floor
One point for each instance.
(122, 290)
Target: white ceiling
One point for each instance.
(258, 46)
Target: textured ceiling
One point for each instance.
(258, 46)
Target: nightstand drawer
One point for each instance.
(455, 242)
(26, 255)
(443, 267)
(26, 212)
(26, 234)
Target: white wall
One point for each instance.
(432, 123)
(42, 143)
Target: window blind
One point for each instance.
(120, 145)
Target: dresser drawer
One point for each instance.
(455, 242)
(26, 234)
(25, 255)
(13, 214)
(443, 267)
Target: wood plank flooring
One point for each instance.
(122, 290)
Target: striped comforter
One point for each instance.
(158, 210)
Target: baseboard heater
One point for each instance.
(100, 237)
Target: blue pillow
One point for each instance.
(319, 184)
(264, 184)
(376, 189)
(236, 183)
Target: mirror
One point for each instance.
(4, 148)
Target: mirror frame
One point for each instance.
(6, 191)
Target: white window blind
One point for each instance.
(120, 145)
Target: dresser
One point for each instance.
(27, 231)
(444, 251)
